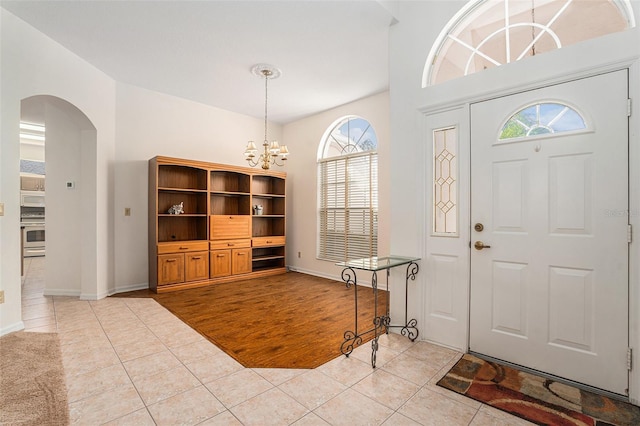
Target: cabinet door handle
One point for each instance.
(170, 260)
(240, 254)
(196, 258)
(230, 245)
(220, 255)
(269, 241)
(184, 248)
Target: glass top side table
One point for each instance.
(381, 323)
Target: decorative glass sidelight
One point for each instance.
(445, 181)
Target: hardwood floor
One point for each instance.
(292, 320)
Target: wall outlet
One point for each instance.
(127, 211)
(70, 184)
(299, 255)
(1, 297)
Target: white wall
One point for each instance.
(70, 242)
(32, 152)
(151, 124)
(32, 64)
(303, 138)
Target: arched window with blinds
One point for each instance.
(348, 191)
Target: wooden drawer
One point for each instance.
(230, 227)
(268, 241)
(184, 246)
(229, 244)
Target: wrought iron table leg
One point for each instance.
(376, 320)
(351, 338)
(409, 328)
(411, 325)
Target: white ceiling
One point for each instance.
(330, 52)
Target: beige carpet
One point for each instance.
(32, 383)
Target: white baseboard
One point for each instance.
(363, 283)
(61, 292)
(132, 287)
(13, 327)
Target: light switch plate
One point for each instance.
(1, 209)
(1, 296)
(127, 211)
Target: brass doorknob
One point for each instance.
(479, 245)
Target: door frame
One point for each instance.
(460, 109)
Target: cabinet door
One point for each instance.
(220, 263)
(196, 266)
(170, 268)
(31, 183)
(241, 261)
(230, 227)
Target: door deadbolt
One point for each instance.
(478, 227)
(479, 245)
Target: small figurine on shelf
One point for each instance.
(257, 210)
(176, 209)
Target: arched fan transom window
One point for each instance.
(489, 33)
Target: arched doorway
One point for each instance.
(70, 154)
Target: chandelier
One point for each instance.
(271, 151)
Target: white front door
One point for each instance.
(551, 291)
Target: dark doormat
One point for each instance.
(537, 399)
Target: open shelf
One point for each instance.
(181, 177)
(182, 227)
(268, 185)
(270, 206)
(226, 181)
(193, 202)
(268, 226)
(230, 204)
(268, 264)
(263, 254)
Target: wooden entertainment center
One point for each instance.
(221, 235)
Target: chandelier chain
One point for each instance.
(266, 73)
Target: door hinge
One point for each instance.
(629, 358)
(629, 233)
(629, 107)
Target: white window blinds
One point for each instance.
(348, 207)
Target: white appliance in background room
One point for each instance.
(32, 199)
(33, 234)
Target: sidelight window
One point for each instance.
(445, 181)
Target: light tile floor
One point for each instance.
(131, 362)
